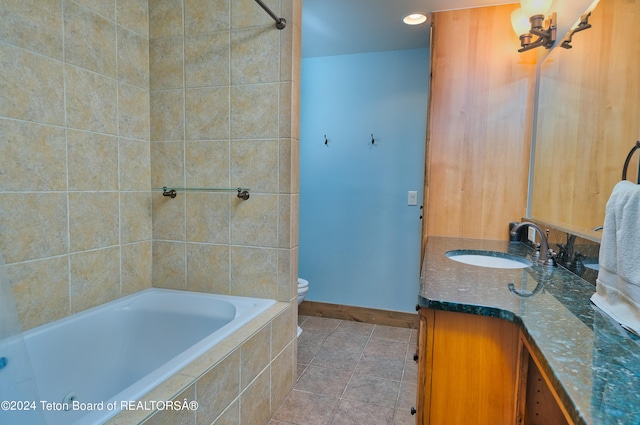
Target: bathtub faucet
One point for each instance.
(546, 254)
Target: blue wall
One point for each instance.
(359, 240)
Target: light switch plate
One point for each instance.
(412, 199)
(531, 235)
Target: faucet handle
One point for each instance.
(551, 258)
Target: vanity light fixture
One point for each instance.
(415, 19)
(583, 24)
(529, 21)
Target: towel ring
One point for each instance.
(628, 160)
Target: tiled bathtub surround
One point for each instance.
(224, 113)
(241, 381)
(75, 201)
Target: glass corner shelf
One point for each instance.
(172, 192)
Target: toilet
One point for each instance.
(303, 287)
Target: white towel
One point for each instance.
(618, 283)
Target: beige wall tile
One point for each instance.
(134, 165)
(93, 161)
(207, 163)
(246, 13)
(207, 217)
(288, 209)
(34, 156)
(18, 22)
(105, 8)
(166, 59)
(204, 16)
(284, 328)
(218, 388)
(295, 111)
(167, 115)
(286, 46)
(135, 217)
(93, 220)
(41, 290)
(256, 355)
(283, 372)
(255, 401)
(31, 87)
(231, 416)
(206, 59)
(176, 417)
(253, 111)
(208, 268)
(167, 164)
(91, 101)
(254, 164)
(255, 55)
(165, 18)
(288, 275)
(136, 267)
(254, 272)
(134, 15)
(34, 225)
(289, 166)
(207, 113)
(255, 221)
(133, 112)
(290, 110)
(168, 217)
(95, 278)
(133, 58)
(89, 39)
(168, 265)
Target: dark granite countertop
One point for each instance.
(592, 362)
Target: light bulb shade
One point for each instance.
(520, 22)
(414, 19)
(535, 7)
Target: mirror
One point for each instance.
(588, 119)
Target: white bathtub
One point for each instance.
(119, 351)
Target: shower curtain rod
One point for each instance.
(280, 22)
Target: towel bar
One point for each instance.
(626, 162)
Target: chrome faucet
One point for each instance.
(546, 254)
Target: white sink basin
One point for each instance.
(492, 259)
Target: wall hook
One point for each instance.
(373, 141)
(325, 139)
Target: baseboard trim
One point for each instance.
(359, 314)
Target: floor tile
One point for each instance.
(320, 380)
(371, 389)
(322, 323)
(390, 332)
(351, 373)
(355, 328)
(303, 408)
(380, 366)
(354, 412)
(387, 348)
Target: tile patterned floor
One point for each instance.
(352, 373)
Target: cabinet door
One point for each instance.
(471, 368)
(424, 358)
(538, 402)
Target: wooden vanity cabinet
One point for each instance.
(478, 369)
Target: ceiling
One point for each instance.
(339, 27)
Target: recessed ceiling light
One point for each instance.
(414, 19)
